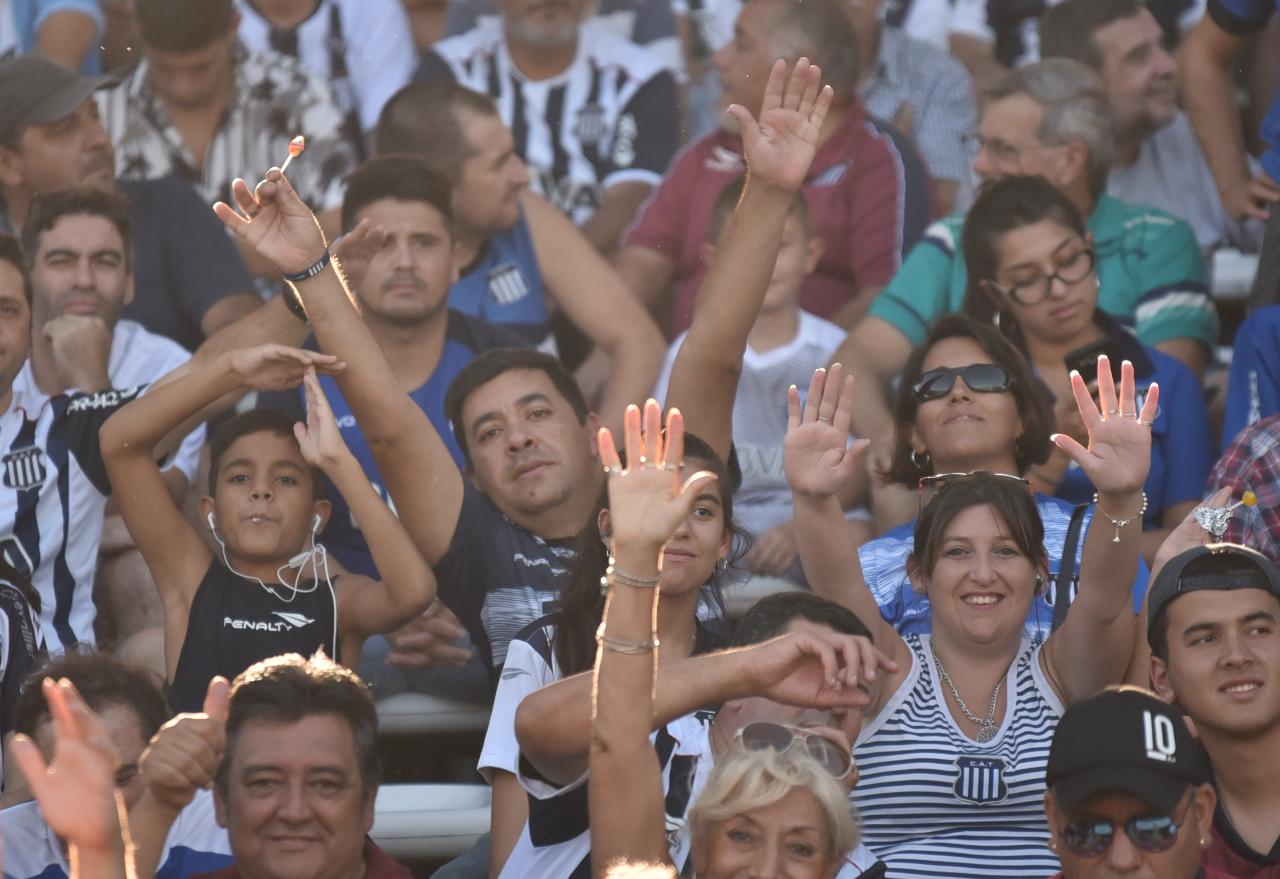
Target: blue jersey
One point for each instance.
(504, 285)
(1253, 393)
(464, 339)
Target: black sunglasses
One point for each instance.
(982, 378)
(1156, 833)
(763, 734)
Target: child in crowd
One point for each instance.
(267, 588)
(785, 346)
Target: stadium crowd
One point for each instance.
(818, 439)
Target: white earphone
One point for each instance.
(209, 519)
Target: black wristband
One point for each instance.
(312, 270)
(293, 301)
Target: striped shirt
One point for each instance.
(609, 118)
(957, 808)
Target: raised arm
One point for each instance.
(594, 298)
(365, 607)
(175, 553)
(419, 472)
(1094, 645)
(778, 150)
(647, 503)
(818, 459)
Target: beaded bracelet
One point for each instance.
(1120, 523)
(618, 645)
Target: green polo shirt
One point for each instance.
(1150, 272)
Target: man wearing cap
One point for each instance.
(189, 278)
(1128, 791)
(1214, 630)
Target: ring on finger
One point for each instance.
(824, 418)
(1143, 422)
(614, 470)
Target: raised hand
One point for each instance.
(814, 670)
(279, 367)
(183, 756)
(779, 148)
(356, 249)
(1118, 455)
(815, 453)
(319, 440)
(275, 221)
(76, 791)
(647, 501)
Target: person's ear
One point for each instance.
(367, 810)
(1204, 801)
(1073, 163)
(1160, 679)
(220, 810)
(128, 286)
(605, 525)
(11, 168)
(708, 254)
(323, 509)
(455, 262)
(1053, 816)
(206, 508)
(813, 253)
(919, 579)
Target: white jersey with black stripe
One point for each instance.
(934, 803)
(609, 118)
(53, 491)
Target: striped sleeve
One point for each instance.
(1174, 301)
(919, 291)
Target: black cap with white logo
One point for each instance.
(1123, 740)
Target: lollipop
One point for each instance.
(296, 146)
(1215, 519)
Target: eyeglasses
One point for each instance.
(982, 378)
(1157, 833)
(938, 480)
(762, 734)
(1073, 270)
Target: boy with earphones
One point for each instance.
(267, 590)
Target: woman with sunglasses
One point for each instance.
(1031, 272)
(776, 802)
(952, 752)
(967, 401)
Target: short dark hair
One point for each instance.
(11, 252)
(769, 617)
(819, 30)
(182, 25)
(728, 200)
(103, 681)
(1225, 565)
(400, 178)
(1032, 446)
(1005, 205)
(1011, 500)
(424, 119)
(285, 689)
(1067, 29)
(499, 361)
(50, 207)
(273, 421)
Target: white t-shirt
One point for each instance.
(139, 357)
(196, 844)
(760, 415)
(8, 29)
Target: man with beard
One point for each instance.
(1214, 630)
(1158, 160)
(79, 247)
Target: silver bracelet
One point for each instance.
(1120, 523)
(618, 645)
(615, 575)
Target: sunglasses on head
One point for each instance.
(981, 378)
(837, 761)
(938, 480)
(1156, 833)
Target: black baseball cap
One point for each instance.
(35, 90)
(1123, 739)
(1218, 566)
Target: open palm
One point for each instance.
(816, 455)
(780, 146)
(1118, 454)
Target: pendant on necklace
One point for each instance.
(987, 732)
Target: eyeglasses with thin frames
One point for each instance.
(1074, 270)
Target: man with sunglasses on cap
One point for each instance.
(1214, 630)
(1128, 791)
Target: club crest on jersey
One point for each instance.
(24, 468)
(507, 284)
(980, 779)
(591, 126)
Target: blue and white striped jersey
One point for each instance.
(53, 490)
(935, 803)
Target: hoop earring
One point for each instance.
(921, 460)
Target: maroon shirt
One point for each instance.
(377, 865)
(868, 194)
(1234, 858)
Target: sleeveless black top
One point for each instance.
(234, 623)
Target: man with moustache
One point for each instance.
(1214, 631)
(1158, 160)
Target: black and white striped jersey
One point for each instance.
(609, 118)
(53, 491)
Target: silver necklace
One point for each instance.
(986, 727)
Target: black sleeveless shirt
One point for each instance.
(234, 623)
